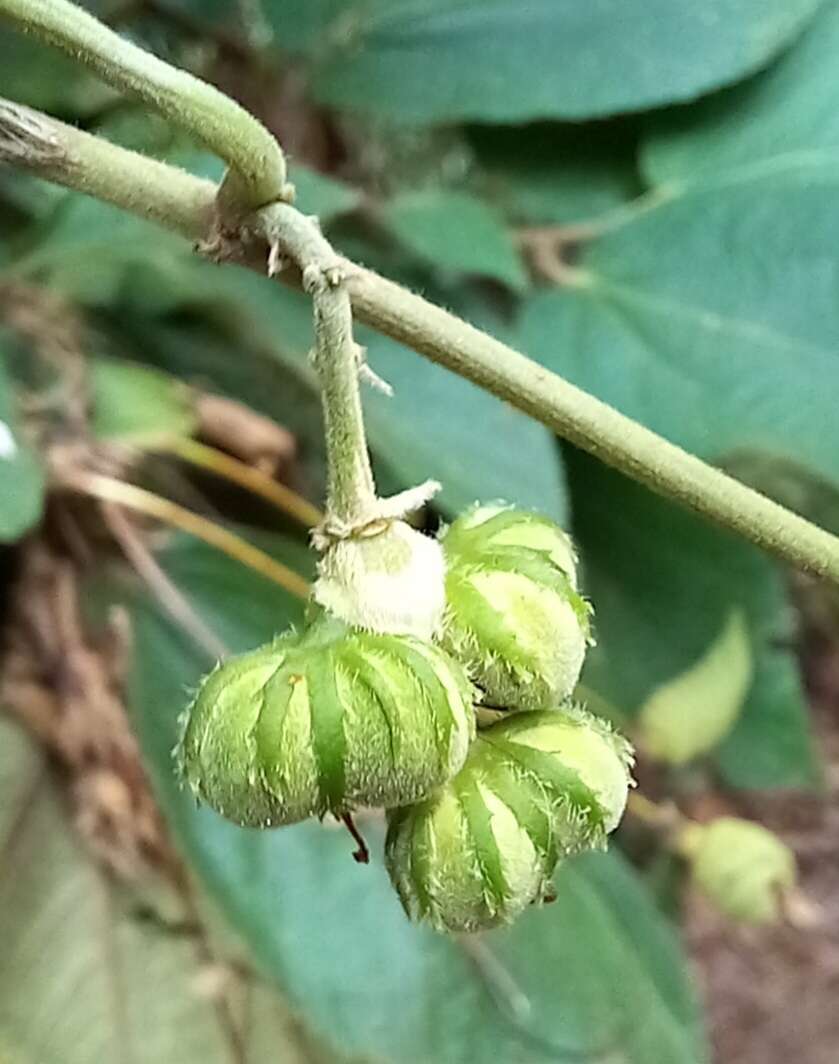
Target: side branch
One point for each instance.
(256, 161)
(185, 204)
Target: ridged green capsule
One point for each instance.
(742, 867)
(536, 787)
(326, 721)
(513, 615)
(493, 526)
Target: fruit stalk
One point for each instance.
(351, 489)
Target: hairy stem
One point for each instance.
(256, 161)
(290, 234)
(182, 203)
(109, 489)
(50, 149)
(352, 493)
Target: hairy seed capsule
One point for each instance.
(324, 722)
(514, 616)
(742, 867)
(536, 787)
(493, 526)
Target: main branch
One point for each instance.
(185, 204)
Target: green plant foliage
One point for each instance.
(236, 602)
(442, 426)
(436, 424)
(322, 195)
(455, 233)
(299, 902)
(61, 86)
(654, 569)
(690, 714)
(21, 474)
(555, 173)
(88, 250)
(784, 119)
(680, 158)
(435, 60)
(76, 983)
(687, 318)
(135, 404)
(711, 319)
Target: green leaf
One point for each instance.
(550, 173)
(109, 242)
(76, 981)
(455, 233)
(239, 359)
(782, 118)
(712, 319)
(665, 584)
(599, 971)
(22, 479)
(690, 714)
(496, 60)
(34, 74)
(438, 425)
(322, 195)
(237, 603)
(302, 25)
(133, 403)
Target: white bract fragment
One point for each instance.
(392, 582)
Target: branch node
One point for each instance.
(376, 517)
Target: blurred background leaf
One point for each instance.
(136, 404)
(557, 173)
(88, 974)
(690, 714)
(455, 233)
(434, 60)
(710, 319)
(665, 583)
(21, 475)
(784, 119)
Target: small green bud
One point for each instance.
(326, 721)
(535, 788)
(513, 616)
(391, 580)
(492, 526)
(690, 714)
(742, 867)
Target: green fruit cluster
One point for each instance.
(373, 704)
